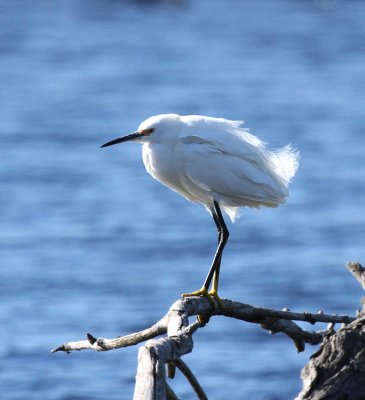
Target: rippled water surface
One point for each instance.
(90, 243)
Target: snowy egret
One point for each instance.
(217, 163)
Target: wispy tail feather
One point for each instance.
(285, 162)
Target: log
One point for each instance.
(337, 370)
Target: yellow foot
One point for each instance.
(209, 296)
(213, 293)
(201, 292)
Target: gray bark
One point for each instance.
(337, 370)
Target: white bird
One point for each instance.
(217, 163)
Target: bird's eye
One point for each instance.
(147, 131)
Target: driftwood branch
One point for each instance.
(175, 323)
(336, 371)
(358, 271)
(191, 378)
(157, 352)
(102, 344)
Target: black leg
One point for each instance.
(223, 235)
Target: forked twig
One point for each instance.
(191, 378)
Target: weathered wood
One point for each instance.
(176, 317)
(358, 271)
(150, 378)
(156, 353)
(152, 357)
(191, 378)
(337, 370)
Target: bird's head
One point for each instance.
(153, 129)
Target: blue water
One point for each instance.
(90, 243)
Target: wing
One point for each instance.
(231, 175)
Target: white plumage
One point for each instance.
(206, 159)
(215, 162)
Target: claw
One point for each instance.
(203, 319)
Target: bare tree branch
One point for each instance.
(358, 271)
(102, 344)
(177, 318)
(170, 395)
(157, 352)
(250, 313)
(191, 378)
(298, 335)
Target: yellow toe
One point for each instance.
(201, 292)
(210, 296)
(213, 293)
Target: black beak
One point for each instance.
(131, 136)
